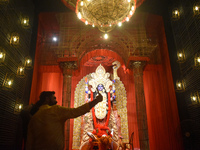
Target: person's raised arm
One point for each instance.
(67, 113)
(98, 99)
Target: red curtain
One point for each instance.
(49, 78)
(162, 113)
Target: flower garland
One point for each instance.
(108, 114)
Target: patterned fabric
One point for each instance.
(46, 127)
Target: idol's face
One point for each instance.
(100, 87)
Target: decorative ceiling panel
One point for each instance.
(135, 38)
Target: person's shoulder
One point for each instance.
(54, 107)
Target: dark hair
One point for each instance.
(43, 96)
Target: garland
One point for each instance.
(108, 115)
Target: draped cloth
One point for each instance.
(161, 107)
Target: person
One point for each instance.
(46, 127)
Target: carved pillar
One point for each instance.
(67, 68)
(138, 67)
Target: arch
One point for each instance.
(101, 52)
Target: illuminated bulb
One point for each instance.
(93, 25)
(132, 8)
(198, 59)
(131, 13)
(21, 69)
(86, 22)
(110, 25)
(9, 82)
(88, 0)
(28, 61)
(1, 55)
(194, 98)
(106, 36)
(129, 1)
(196, 8)
(55, 39)
(179, 85)
(24, 21)
(180, 55)
(14, 39)
(127, 19)
(20, 106)
(79, 15)
(176, 12)
(119, 24)
(81, 3)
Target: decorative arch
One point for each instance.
(101, 52)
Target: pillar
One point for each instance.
(67, 67)
(138, 67)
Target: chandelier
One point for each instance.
(105, 14)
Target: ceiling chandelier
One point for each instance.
(105, 14)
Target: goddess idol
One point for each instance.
(101, 128)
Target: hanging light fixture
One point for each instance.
(18, 106)
(14, 39)
(176, 14)
(197, 60)
(181, 56)
(8, 81)
(180, 85)
(28, 62)
(25, 22)
(105, 14)
(21, 71)
(2, 55)
(194, 96)
(196, 9)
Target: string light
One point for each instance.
(79, 15)
(82, 3)
(120, 24)
(127, 19)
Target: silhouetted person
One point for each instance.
(46, 127)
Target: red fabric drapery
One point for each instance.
(49, 78)
(162, 113)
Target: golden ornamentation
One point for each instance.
(105, 14)
(79, 99)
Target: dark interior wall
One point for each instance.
(186, 33)
(11, 12)
(182, 34)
